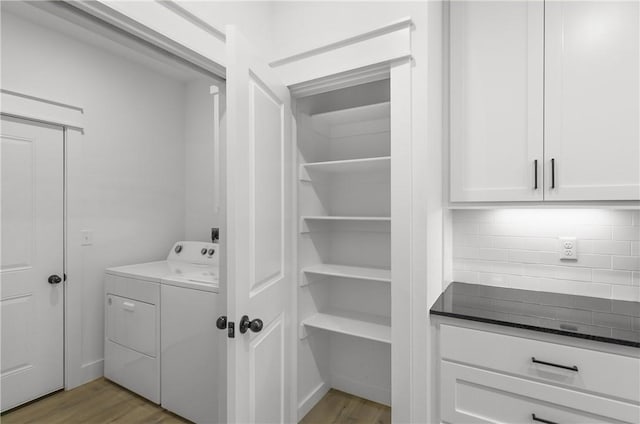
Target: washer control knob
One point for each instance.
(178, 248)
(203, 251)
(211, 252)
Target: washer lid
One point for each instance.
(203, 279)
(150, 271)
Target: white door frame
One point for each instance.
(38, 110)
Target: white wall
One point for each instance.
(200, 162)
(126, 174)
(253, 18)
(520, 249)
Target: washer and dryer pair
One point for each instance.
(161, 340)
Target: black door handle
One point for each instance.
(221, 322)
(254, 325)
(54, 279)
(541, 420)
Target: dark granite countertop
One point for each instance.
(604, 320)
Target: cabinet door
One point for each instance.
(592, 100)
(496, 100)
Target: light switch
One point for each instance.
(86, 237)
(568, 248)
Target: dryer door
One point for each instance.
(132, 324)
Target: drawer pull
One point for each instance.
(564, 367)
(541, 420)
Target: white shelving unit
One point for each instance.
(354, 272)
(348, 218)
(344, 245)
(362, 326)
(378, 164)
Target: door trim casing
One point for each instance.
(38, 110)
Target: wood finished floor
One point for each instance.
(97, 402)
(102, 402)
(337, 407)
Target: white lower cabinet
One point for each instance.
(488, 377)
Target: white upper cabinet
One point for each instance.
(496, 100)
(576, 63)
(592, 100)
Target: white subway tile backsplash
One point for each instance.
(466, 276)
(631, 263)
(489, 254)
(609, 247)
(626, 233)
(611, 276)
(520, 248)
(572, 273)
(626, 293)
(621, 217)
(590, 232)
(526, 256)
(584, 260)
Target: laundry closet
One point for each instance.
(131, 168)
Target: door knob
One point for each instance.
(221, 322)
(54, 279)
(254, 325)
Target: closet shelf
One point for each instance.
(360, 273)
(355, 114)
(347, 218)
(376, 164)
(357, 325)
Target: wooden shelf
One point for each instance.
(377, 164)
(357, 325)
(356, 272)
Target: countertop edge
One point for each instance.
(538, 329)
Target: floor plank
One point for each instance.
(97, 402)
(337, 407)
(101, 402)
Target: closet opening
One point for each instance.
(344, 243)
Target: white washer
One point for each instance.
(190, 344)
(132, 315)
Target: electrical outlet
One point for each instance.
(568, 248)
(86, 237)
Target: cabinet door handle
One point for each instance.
(535, 174)
(553, 173)
(551, 364)
(541, 420)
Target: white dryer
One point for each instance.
(133, 313)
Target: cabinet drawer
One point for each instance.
(597, 372)
(472, 395)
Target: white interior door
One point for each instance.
(32, 251)
(259, 239)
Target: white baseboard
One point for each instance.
(92, 370)
(373, 393)
(312, 398)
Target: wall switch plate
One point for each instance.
(568, 248)
(86, 237)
